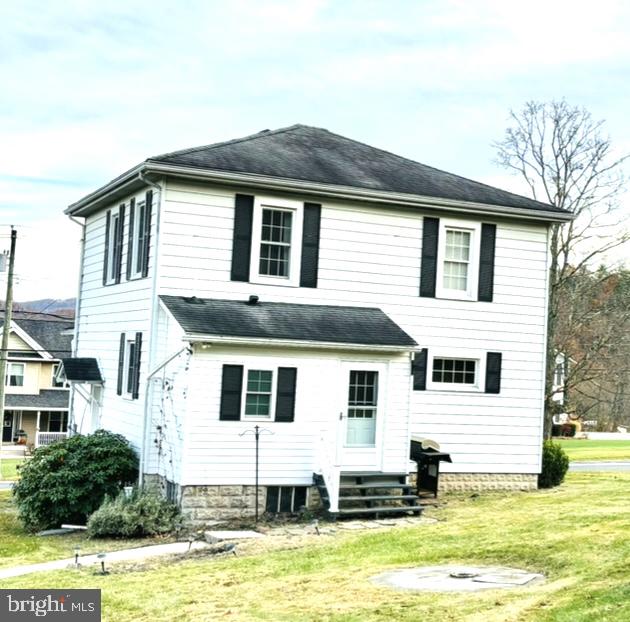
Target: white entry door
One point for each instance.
(361, 416)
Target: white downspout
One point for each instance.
(77, 315)
(152, 330)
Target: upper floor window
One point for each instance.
(57, 384)
(112, 263)
(276, 242)
(15, 375)
(138, 247)
(458, 260)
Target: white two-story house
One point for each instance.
(337, 296)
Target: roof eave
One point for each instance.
(125, 182)
(294, 343)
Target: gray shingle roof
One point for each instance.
(54, 335)
(81, 370)
(294, 322)
(313, 154)
(45, 399)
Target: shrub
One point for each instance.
(555, 464)
(66, 481)
(145, 513)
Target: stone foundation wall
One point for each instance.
(480, 482)
(201, 504)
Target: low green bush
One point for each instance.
(555, 464)
(144, 513)
(66, 481)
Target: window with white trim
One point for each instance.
(456, 373)
(138, 245)
(259, 395)
(114, 247)
(276, 241)
(15, 375)
(129, 368)
(458, 259)
(57, 384)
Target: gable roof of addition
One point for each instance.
(315, 160)
(283, 323)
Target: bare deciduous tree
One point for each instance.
(566, 161)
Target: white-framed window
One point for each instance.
(129, 368)
(114, 247)
(258, 394)
(276, 241)
(452, 372)
(57, 421)
(458, 259)
(57, 384)
(138, 242)
(15, 375)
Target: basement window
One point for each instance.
(285, 499)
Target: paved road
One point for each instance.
(600, 466)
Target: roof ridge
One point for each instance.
(232, 141)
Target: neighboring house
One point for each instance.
(338, 296)
(36, 402)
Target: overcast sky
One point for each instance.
(89, 89)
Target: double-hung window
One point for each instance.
(137, 250)
(130, 367)
(15, 375)
(113, 247)
(458, 260)
(276, 241)
(258, 402)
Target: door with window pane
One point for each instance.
(362, 408)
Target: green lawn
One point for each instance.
(582, 449)
(8, 468)
(577, 535)
(18, 547)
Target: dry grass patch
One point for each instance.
(576, 535)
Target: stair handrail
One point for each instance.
(329, 470)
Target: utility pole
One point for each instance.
(4, 348)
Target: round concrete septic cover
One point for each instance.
(457, 578)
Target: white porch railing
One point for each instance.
(329, 470)
(46, 438)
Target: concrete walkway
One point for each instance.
(600, 466)
(138, 554)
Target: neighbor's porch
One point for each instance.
(34, 428)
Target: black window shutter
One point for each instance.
(108, 219)
(132, 210)
(486, 262)
(231, 388)
(119, 242)
(419, 370)
(121, 364)
(310, 244)
(147, 232)
(428, 268)
(136, 367)
(285, 397)
(242, 237)
(493, 372)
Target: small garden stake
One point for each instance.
(257, 431)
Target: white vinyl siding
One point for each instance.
(105, 313)
(370, 256)
(217, 452)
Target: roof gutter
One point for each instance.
(294, 343)
(319, 189)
